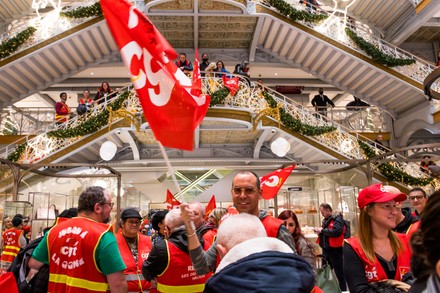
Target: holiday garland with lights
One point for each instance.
(376, 54)
(392, 173)
(296, 15)
(83, 12)
(8, 47)
(295, 124)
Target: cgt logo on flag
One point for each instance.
(164, 91)
(272, 182)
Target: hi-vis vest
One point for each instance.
(11, 243)
(133, 272)
(71, 249)
(63, 115)
(374, 270)
(179, 275)
(271, 225)
(334, 242)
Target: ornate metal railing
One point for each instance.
(251, 97)
(333, 27)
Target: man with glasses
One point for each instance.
(417, 199)
(246, 192)
(82, 252)
(135, 248)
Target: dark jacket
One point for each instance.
(327, 232)
(403, 226)
(268, 271)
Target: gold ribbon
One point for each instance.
(124, 114)
(271, 112)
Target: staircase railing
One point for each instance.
(333, 27)
(252, 97)
(40, 145)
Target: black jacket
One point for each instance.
(403, 226)
(335, 231)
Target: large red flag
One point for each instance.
(164, 91)
(210, 206)
(272, 182)
(171, 201)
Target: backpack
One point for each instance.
(237, 69)
(346, 230)
(19, 267)
(81, 109)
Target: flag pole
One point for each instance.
(173, 176)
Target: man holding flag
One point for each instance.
(246, 192)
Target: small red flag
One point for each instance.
(171, 201)
(210, 206)
(272, 182)
(231, 83)
(164, 91)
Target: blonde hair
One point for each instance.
(365, 234)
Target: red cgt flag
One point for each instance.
(210, 206)
(231, 83)
(171, 201)
(272, 182)
(164, 91)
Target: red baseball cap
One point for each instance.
(379, 193)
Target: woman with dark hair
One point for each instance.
(303, 246)
(103, 94)
(425, 263)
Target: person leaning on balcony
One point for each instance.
(321, 102)
(62, 110)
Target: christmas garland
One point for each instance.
(295, 124)
(218, 96)
(89, 126)
(92, 124)
(392, 173)
(8, 47)
(84, 12)
(296, 15)
(375, 53)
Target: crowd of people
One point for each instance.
(189, 251)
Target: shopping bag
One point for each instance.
(326, 279)
(8, 283)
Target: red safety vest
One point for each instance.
(179, 275)
(11, 244)
(209, 238)
(413, 228)
(133, 272)
(334, 242)
(63, 114)
(374, 270)
(71, 249)
(271, 225)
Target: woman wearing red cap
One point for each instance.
(377, 253)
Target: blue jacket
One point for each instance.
(268, 271)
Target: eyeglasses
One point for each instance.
(137, 223)
(111, 204)
(418, 197)
(388, 207)
(247, 190)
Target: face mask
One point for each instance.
(205, 59)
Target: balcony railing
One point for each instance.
(250, 97)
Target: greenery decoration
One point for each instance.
(375, 53)
(296, 15)
(17, 153)
(8, 47)
(218, 96)
(83, 12)
(392, 173)
(295, 124)
(92, 124)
